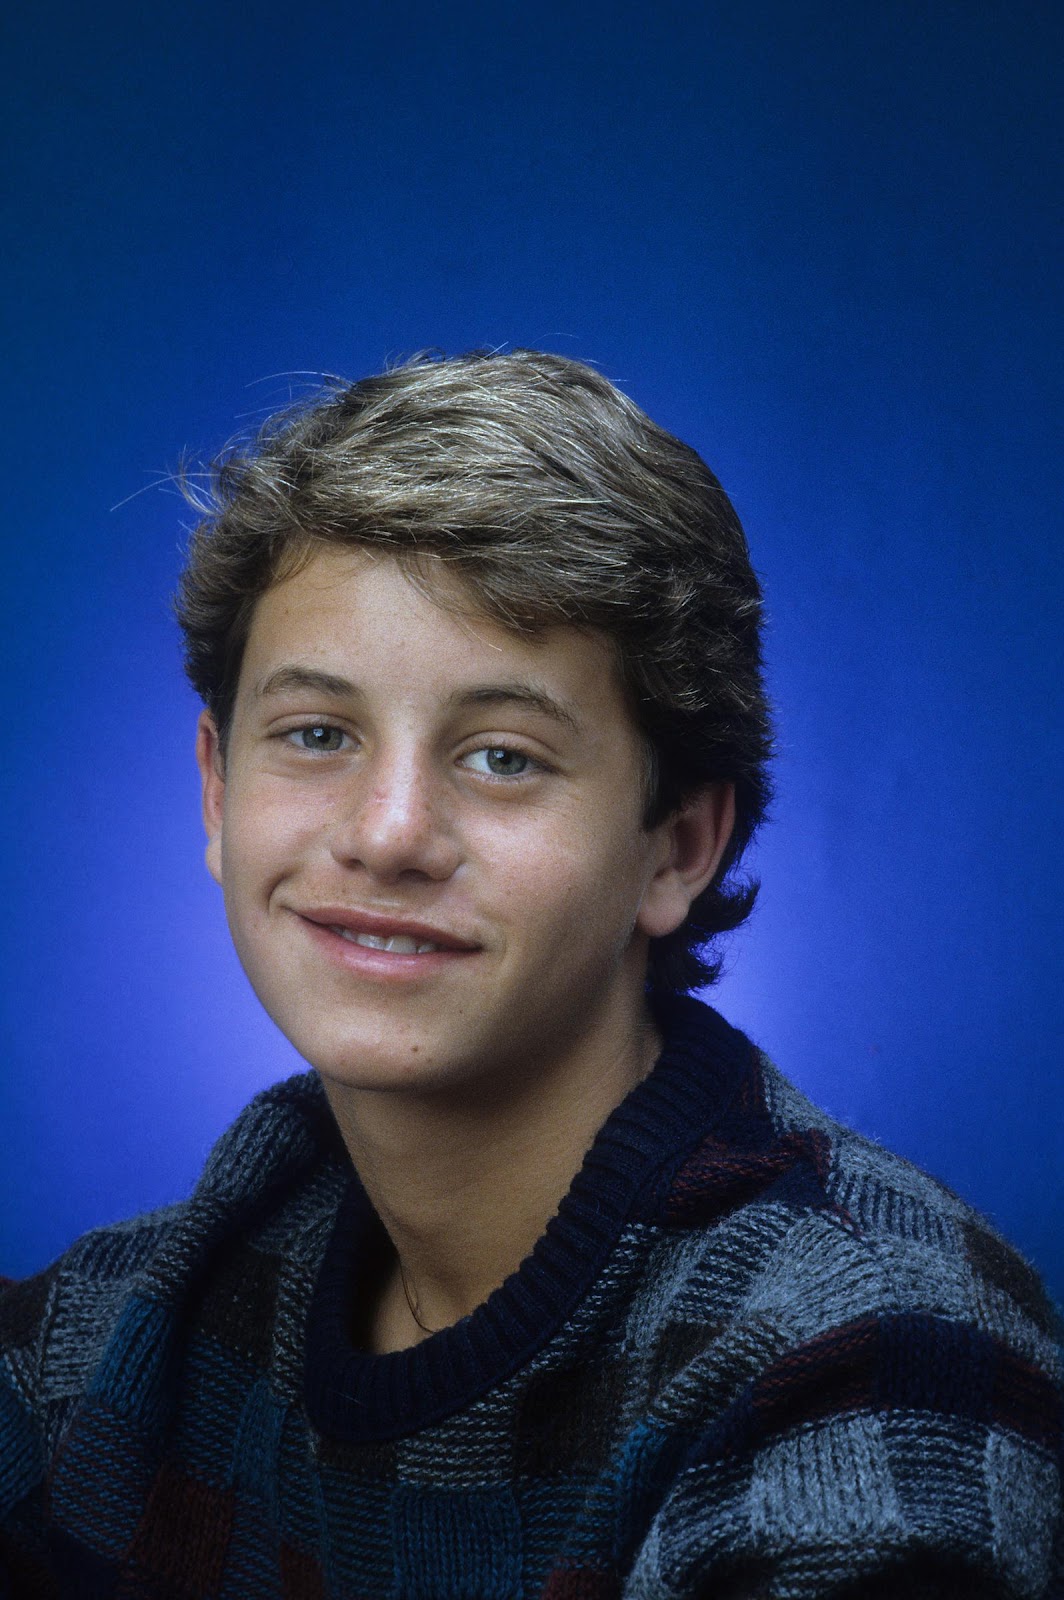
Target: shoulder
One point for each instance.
(55, 1325)
(863, 1374)
(68, 1308)
(924, 1249)
(779, 1207)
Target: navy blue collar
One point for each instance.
(354, 1396)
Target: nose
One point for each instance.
(396, 820)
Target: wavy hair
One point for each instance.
(556, 501)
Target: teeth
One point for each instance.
(400, 944)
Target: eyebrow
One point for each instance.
(520, 694)
(287, 679)
(292, 678)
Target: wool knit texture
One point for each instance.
(754, 1355)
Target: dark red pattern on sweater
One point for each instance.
(583, 1583)
(917, 1363)
(717, 1178)
(185, 1531)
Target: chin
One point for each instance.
(401, 1068)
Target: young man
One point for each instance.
(545, 1282)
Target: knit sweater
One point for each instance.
(753, 1355)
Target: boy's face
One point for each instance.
(404, 776)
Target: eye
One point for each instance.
(318, 736)
(497, 761)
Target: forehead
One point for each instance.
(363, 615)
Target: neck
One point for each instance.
(465, 1181)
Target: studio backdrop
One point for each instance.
(819, 242)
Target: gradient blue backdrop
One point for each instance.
(818, 241)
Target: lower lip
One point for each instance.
(381, 965)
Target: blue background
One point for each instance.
(818, 241)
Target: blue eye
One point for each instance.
(320, 737)
(498, 762)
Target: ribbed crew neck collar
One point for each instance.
(354, 1396)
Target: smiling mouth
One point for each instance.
(398, 944)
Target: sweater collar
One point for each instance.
(354, 1396)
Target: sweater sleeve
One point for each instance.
(898, 1458)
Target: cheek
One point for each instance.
(265, 829)
(528, 880)
(571, 881)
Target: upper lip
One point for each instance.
(385, 927)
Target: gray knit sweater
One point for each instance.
(753, 1356)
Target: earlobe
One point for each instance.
(212, 777)
(694, 840)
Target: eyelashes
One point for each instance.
(492, 760)
(500, 761)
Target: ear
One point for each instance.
(693, 841)
(212, 776)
